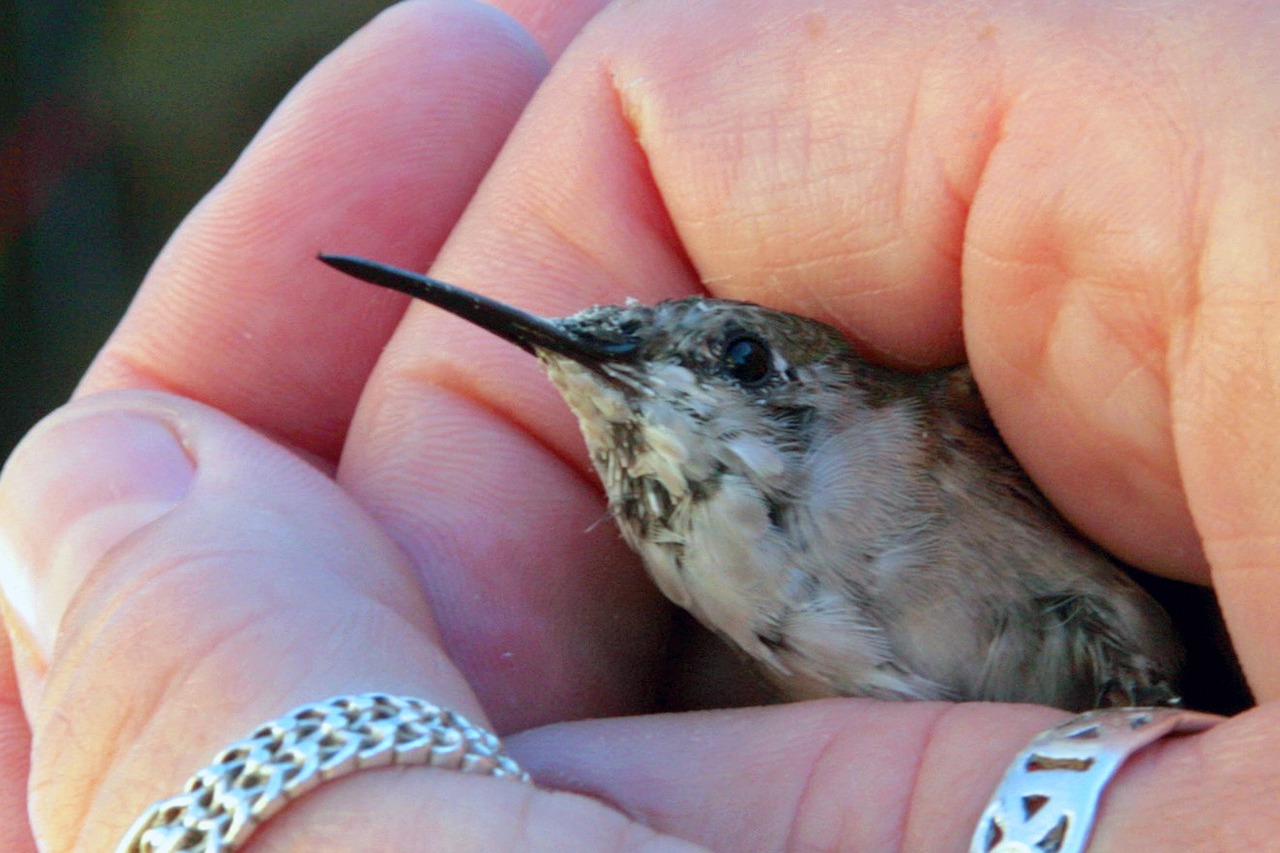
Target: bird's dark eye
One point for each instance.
(748, 360)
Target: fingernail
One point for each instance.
(84, 480)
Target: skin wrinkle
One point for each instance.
(15, 634)
(1171, 303)
(830, 305)
(1150, 465)
(1133, 323)
(462, 387)
(630, 113)
(806, 788)
(125, 367)
(627, 835)
(89, 599)
(546, 293)
(1023, 367)
(1183, 323)
(175, 679)
(909, 820)
(171, 680)
(633, 110)
(570, 784)
(637, 838)
(567, 243)
(904, 164)
(1012, 261)
(948, 246)
(648, 224)
(244, 633)
(985, 142)
(1194, 334)
(839, 737)
(14, 756)
(447, 543)
(666, 224)
(1151, 333)
(1143, 365)
(36, 786)
(1084, 409)
(524, 816)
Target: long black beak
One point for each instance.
(527, 331)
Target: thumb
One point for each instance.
(173, 578)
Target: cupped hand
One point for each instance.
(276, 484)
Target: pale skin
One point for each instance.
(1081, 201)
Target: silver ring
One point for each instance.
(249, 781)
(1049, 796)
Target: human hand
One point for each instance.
(178, 578)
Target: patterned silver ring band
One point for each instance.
(1049, 796)
(249, 781)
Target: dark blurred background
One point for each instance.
(115, 118)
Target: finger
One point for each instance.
(828, 775)
(1124, 223)
(860, 775)
(159, 545)
(1125, 321)
(183, 579)
(376, 151)
(1226, 367)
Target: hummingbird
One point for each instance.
(855, 530)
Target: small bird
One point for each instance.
(856, 530)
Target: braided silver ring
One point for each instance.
(249, 781)
(1049, 796)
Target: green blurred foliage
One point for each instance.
(115, 118)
